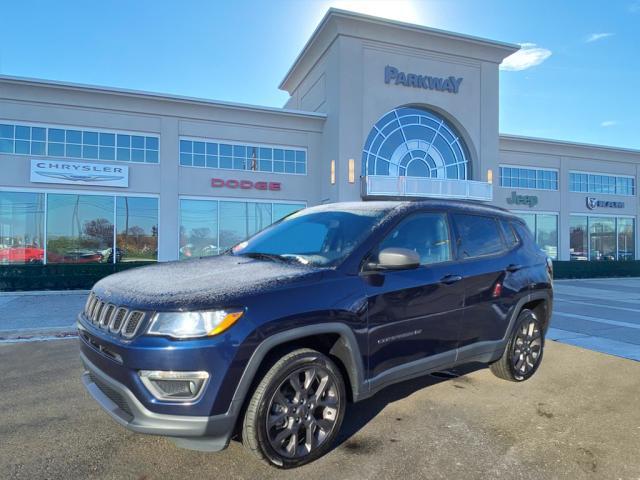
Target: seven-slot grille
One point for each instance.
(115, 319)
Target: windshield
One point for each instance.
(311, 237)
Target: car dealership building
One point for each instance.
(377, 109)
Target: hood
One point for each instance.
(202, 283)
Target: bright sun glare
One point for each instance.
(403, 10)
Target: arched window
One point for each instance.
(414, 142)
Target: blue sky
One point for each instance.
(577, 80)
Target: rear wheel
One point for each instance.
(296, 410)
(523, 353)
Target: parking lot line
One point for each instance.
(597, 320)
(626, 309)
(606, 345)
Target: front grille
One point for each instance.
(116, 319)
(113, 395)
(133, 322)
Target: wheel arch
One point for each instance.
(334, 339)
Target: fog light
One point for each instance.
(174, 386)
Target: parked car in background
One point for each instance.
(22, 254)
(270, 341)
(108, 255)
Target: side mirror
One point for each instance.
(397, 259)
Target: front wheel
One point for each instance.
(523, 353)
(296, 410)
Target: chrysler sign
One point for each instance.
(76, 173)
(449, 84)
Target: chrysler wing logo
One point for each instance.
(592, 202)
(81, 178)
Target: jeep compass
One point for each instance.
(267, 342)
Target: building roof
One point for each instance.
(157, 96)
(546, 143)
(343, 22)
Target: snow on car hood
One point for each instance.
(200, 283)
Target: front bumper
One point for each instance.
(195, 432)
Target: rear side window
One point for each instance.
(509, 235)
(477, 235)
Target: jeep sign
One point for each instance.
(528, 200)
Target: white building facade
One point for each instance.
(377, 109)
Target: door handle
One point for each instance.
(449, 279)
(514, 268)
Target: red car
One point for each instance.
(22, 254)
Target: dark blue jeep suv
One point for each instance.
(269, 341)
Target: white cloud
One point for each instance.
(608, 123)
(528, 56)
(594, 37)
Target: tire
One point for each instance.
(311, 408)
(523, 353)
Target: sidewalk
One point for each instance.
(29, 314)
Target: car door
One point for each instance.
(483, 256)
(414, 314)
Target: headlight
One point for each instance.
(193, 324)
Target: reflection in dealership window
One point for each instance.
(578, 238)
(626, 239)
(198, 228)
(21, 227)
(239, 220)
(544, 227)
(602, 238)
(203, 220)
(547, 234)
(136, 230)
(79, 228)
(281, 210)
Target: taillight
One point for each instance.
(497, 290)
(550, 267)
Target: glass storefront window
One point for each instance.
(626, 239)
(21, 227)
(209, 227)
(547, 234)
(602, 238)
(239, 220)
(544, 228)
(281, 210)
(136, 230)
(198, 228)
(79, 228)
(578, 238)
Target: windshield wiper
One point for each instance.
(274, 257)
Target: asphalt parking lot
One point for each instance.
(598, 314)
(577, 418)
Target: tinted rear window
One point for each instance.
(477, 235)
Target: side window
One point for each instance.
(426, 234)
(509, 234)
(477, 235)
